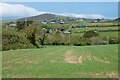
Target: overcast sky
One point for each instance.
(14, 10)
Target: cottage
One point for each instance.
(62, 22)
(53, 21)
(95, 20)
(11, 24)
(44, 22)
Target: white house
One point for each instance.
(44, 22)
(11, 24)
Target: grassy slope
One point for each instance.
(97, 61)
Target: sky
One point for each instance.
(14, 10)
(60, 0)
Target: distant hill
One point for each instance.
(49, 18)
(39, 17)
(53, 17)
(118, 19)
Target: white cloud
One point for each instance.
(18, 10)
(94, 16)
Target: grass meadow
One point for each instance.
(98, 61)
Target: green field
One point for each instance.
(102, 34)
(3, 22)
(101, 24)
(80, 31)
(100, 61)
(108, 34)
(93, 28)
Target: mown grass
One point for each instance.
(50, 62)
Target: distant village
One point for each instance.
(54, 21)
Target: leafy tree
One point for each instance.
(30, 32)
(21, 24)
(41, 34)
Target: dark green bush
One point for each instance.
(113, 40)
(89, 34)
(11, 39)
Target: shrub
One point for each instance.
(89, 34)
(113, 40)
(95, 40)
(11, 39)
(84, 42)
(57, 38)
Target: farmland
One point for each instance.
(101, 34)
(95, 28)
(109, 34)
(100, 61)
(71, 49)
(102, 31)
(3, 22)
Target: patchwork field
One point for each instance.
(80, 31)
(93, 28)
(108, 34)
(100, 61)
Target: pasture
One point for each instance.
(108, 34)
(98, 61)
(93, 28)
